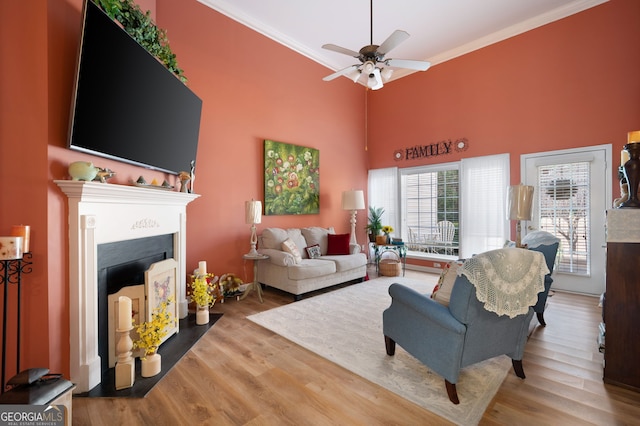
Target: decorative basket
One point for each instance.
(390, 267)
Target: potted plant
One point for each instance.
(205, 291)
(150, 336)
(375, 222)
(139, 25)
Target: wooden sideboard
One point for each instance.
(622, 301)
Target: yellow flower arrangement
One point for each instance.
(150, 334)
(387, 229)
(205, 290)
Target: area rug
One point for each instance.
(171, 351)
(345, 326)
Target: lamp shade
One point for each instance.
(353, 200)
(519, 202)
(253, 212)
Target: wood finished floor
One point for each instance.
(242, 374)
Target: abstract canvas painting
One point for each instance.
(291, 179)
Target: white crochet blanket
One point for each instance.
(507, 280)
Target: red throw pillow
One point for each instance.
(338, 244)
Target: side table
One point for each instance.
(400, 249)
(255, 285)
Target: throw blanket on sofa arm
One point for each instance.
(507, 281)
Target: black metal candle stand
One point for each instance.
(11, 273)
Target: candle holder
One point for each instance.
(125, 365)
(632, 175)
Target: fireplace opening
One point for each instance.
(122, 264)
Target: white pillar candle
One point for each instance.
(11, 248)
(202, 267)
(124, 313)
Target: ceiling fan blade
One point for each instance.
(342, 50)
(340, 73)
(392, 41)
(408, 63)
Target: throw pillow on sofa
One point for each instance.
(338, 244)
(313, 251)
(290, 247)
(442, 291)
(317, 235)
(272, 238)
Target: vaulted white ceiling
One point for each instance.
(439, 29)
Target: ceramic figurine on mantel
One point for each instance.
(104, 174)
(192, 176)
(83, 170)
(632, 169)
(184, 178)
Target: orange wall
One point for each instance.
(567, 84)
(24, 166)
(252, 89)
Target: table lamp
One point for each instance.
(253, 215)
(519, 207)
(353, 200)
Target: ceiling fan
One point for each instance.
(373, 64)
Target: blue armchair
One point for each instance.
(447, 339)
(547, 244)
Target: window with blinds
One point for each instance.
(563, 200)
(430, 197)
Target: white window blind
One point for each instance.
(383, 192)
(564, 205)
(483, 222)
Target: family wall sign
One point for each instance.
(432, 150)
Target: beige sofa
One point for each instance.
(301, 274)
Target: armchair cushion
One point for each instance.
(442, 291)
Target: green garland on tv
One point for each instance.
(140, 26)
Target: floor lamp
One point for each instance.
(519, 206)
(353, 200)
(253, 215)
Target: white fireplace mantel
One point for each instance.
(103, 213)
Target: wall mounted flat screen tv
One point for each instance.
(127, 105)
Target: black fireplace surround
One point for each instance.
(122, 264)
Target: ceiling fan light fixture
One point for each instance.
(372, 56)
(375, 80)
(368, 67)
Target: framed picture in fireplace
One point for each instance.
(160, 285)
